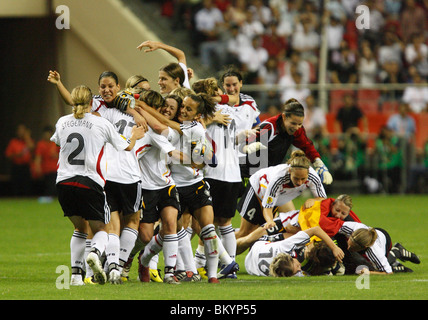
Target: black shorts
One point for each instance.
(195, 196)
(250, 207)
(81, 196)
(156, 200)
(224, 196)
(125, 198)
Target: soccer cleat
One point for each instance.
(226, 270)
(126, 269)
(180, 274)
(401, 269)
(89, 280)
(171, 280)
(76, 280)
(114, 277)
(213, 280)
(94, 262)
(190, 277)
(155, 275)
(202, 273)
(403, 254)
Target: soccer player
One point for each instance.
(277, 259)
(80, 179)
(375, 245)
(193, 191)
(274, 138)
(173, 75)
(275, 186)
(222, 172)
(122, 187)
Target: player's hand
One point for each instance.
(308, 203)
(54, 77)
(152, 46)
(338, 253)
(221, 118)
(138, 132)
(322, 171)
(269, 224)
(253, 147)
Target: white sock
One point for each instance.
(170, 248)
(185, 252)
(227, 234)
(127, 243)
(113, 249)
(200, 259)
(100, 241)
(153, 264)
(223, 256)
(77, 250)
(211, 245)
(152, 248)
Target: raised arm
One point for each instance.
(155, 45)
(55, 78)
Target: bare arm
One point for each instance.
(136, 134)
(161, 118)
(155, 45)
(317, 231)
(55, 78)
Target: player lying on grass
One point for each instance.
(278, 258)
(375, 245)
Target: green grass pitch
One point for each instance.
(34, 241)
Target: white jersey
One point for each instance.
(224, 165)
(376, 254)
(122, 166)
(273, 185)
(262, 253)
(289, 218)
(82, 143)
(151, 152)
(245, 115)
(186, 175)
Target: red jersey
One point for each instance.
(18, 151)
(48, 151)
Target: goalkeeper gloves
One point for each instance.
(253, 147)
(322, 171)
(124, 100)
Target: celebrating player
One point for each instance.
(80, 181)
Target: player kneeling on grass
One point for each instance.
(278, 258)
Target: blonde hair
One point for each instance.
(153, 98)
(208, 86)
(182, 92)
(347, 200)
(363, 238)
(281, 266)
(298, 159)
(133, 81)
(81, 97)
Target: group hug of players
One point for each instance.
(142, 171)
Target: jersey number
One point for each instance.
(75, 153)
(263, 264)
